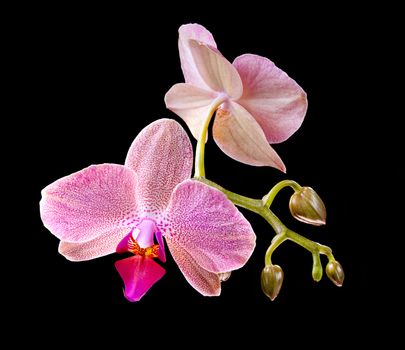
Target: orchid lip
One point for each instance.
(145, 240)
(144, 233)
(149, 252)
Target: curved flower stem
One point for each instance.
(275, 242)
(199, 168)
(283, 233)
(269, 197)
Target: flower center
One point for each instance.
(145, 239)
(135, 248)
(141, 241)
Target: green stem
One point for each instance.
(275, 242)
(269, 198)
(199, 168)
(309, 245)
(283, 233)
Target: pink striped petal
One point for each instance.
(209, 227)
(162, 156)
(216, 71)
(191, 103)
(240, 137)
(98, 247)
(139, 275)
(199, 33)
(205, 282)
(275, 100)
(85, 205)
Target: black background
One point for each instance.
(93, 78)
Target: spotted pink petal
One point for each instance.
(205, 282)
(209, 227)
(216, 71)
(191, 103)
(199, 33)
(89, 203)
(162, 156)
(98, 247)
(240, 137)
(275, 100)
(139, 275)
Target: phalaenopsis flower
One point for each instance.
(256, 103)
(138, 206)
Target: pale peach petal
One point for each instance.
(240, 137)
(216, 71)
(191, 103)
(188, 66)
(275, 100)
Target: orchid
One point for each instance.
(151, 200)
(256, 103)
(138, 206)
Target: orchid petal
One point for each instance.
(162, 156)
(205, 282)
(98, 247)
(240, 137)
(275, 100)
(122, 246)
(161, 243)
(85, 205)
(206, 224)
(188, 66)
(139, 275)
(216, 71)
(191, 103)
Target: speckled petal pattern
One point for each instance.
(205, 282)
(86, 204)
(209, 227)
(162, 156)
(98, 247)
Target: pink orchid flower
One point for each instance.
(130, 208)
(256, 103)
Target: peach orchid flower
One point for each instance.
(256, 103)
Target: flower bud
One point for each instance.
(272, 279)
(335, 273)
(317, 270)
(307, 206)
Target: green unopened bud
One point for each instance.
(272, 280)
(317, 270)
(335, 273)
(307, 206)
